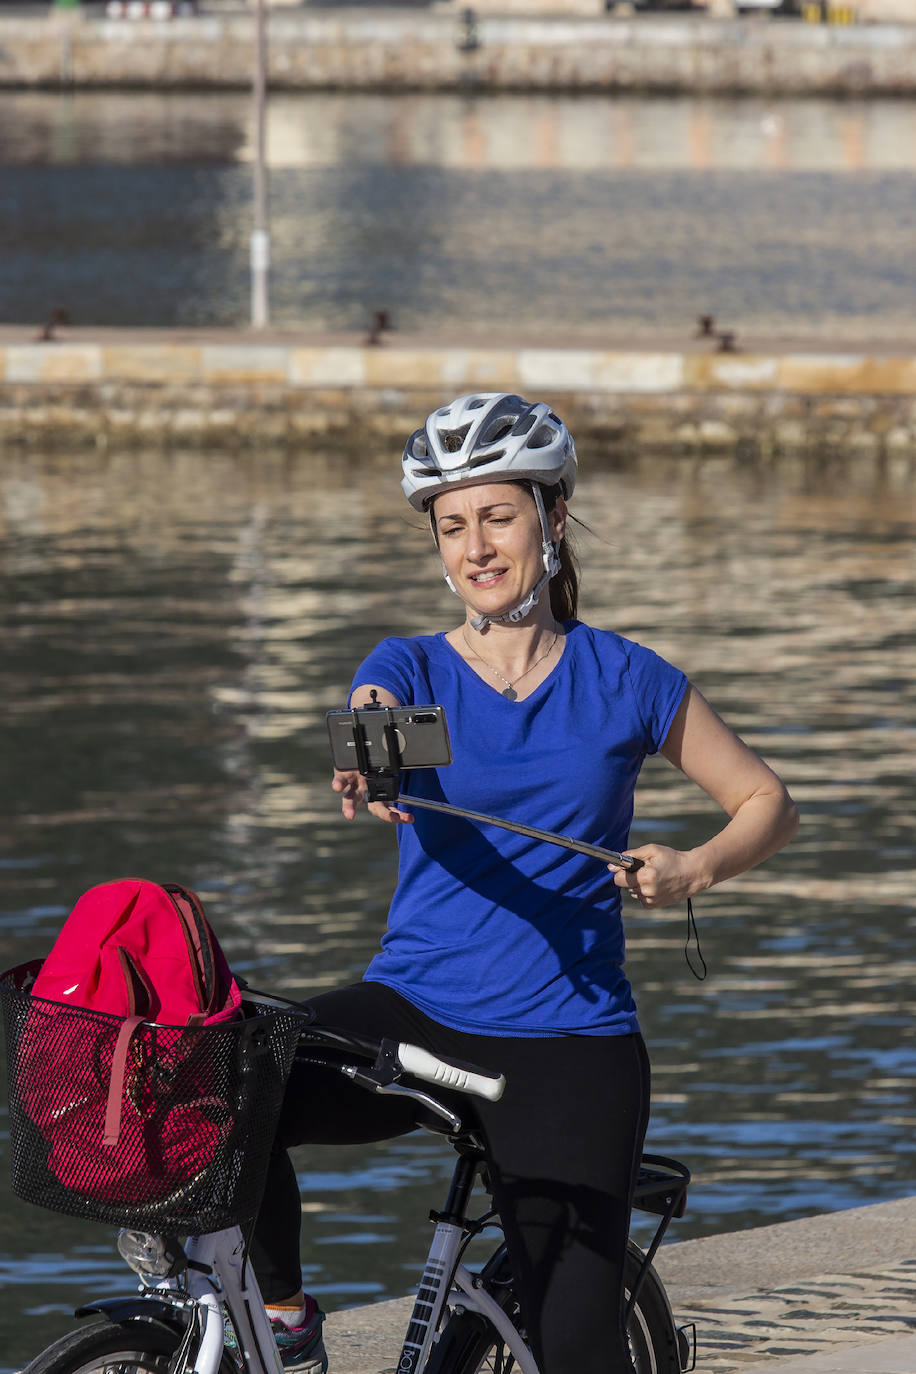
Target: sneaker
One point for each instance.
(301, 1347)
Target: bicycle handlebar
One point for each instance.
(461, 1078)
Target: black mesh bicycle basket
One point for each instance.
(189, 1133)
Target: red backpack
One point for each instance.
(126, 1108)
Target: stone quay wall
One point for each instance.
(391, 50)
(233, 391)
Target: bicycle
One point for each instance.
(462, 1322)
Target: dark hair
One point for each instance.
(564, 587)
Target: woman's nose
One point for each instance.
(478, 544)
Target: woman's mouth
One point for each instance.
(487, 577)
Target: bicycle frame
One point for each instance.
(217, 1276)
(237, 1288)
(443, 1272)
(661, 1190)
(192, 1299)
(188, 1289)
(442, 1263)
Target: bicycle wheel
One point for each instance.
(468, 1343)
(651, 1334)
(104, 1347)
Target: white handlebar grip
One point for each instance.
(424, 1065)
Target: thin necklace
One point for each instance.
(510, 693)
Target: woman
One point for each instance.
(506, 951)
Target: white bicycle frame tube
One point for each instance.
(228, 1281)
(210, 1351)
(219, 1276)
(477, 1299)
(433, 1294)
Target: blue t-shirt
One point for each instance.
(488, 931)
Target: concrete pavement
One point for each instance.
(896, 1356)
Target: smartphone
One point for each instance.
(421, 733)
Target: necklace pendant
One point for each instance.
(510, 694)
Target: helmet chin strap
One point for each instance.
(550, 557)
(480, 622)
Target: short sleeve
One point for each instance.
(391, 666)
(658, 689)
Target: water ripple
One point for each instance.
(176, 627)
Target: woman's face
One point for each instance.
(490, 542)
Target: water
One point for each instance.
(174, 628)
(526, 213)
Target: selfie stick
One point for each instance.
(382, 785)
(595, 851)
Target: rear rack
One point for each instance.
(661, 1189)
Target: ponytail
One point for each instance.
(564, 586)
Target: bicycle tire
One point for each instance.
(468, 1343)
(137, 1346)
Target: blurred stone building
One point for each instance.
(859, 11)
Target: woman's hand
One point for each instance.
(763, 817)
(666, 876)
(352, 786)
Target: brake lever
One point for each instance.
(367, 1079)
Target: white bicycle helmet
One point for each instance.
(498, 437)
(489, 435)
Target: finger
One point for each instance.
(390, 813)
(623, 877)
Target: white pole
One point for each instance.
(260, 237)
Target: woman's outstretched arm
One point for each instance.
(763, 817)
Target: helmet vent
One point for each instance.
(541, 437)
(452, 440)
(498, 430)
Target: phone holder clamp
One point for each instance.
(382, 781)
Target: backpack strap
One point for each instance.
(199, 938)
(139, 989)
(112, 1128)
(139, 1001)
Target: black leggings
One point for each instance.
(564, 1145)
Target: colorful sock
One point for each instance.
(291, 1316)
